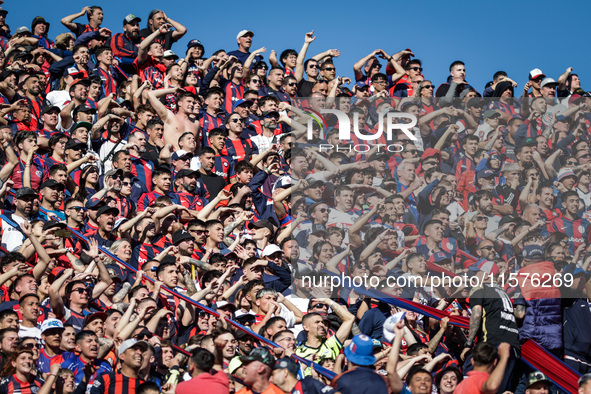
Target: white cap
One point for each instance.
(50, 324)
(536, 72)
(548, 81)
(129, 343)
(389, 325)
(270, 249)
(169, 53)
(221, 304)
(243, 33)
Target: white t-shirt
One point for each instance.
(12, 238)
(29, 332)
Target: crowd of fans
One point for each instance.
(174, 222)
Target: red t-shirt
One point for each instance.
(205, 383)
(473, 383)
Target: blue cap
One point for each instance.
(289, 364)
(360, 85)
(194, 43)
(485, 173)
(242, 101)
(438, 257)
(360, 350)
(93, 203)
(533, 252)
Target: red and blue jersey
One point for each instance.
(45, 362)
(449, 245)
(35, 106)
(81, 29)
(109, 83)
(115, 383)
(209, 122)
(191, 201)
(39, 173)
(464, 165)
(142, 169)
(224, 167)
(578, 231)
(143, 253)
(239, 149)
(234, 92)
(147, 199)
(152, 71)
(12, 385)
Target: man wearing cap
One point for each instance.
(49, 119)
(51, 353)
(186, 183)
(360, 378)
(131, 357)
(105, 219)
(244, 41)
(156, 19)
(203, 377)
(51, 200)
(258, 367)
(535, 79)
(285, 376)
(125, 45)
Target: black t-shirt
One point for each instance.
(498, 321)
(214, 183)
(165, 40)
(305, 88)
(152, 153)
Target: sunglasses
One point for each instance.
(126, 183)
(363, 267)
(262, 68)
(154, 269)
(80, 290)
(142, 335)
(482, 218)
(292, 84)
(32, 346)
(323, 210)
(320, 305)
(201, 315)
(78, 209)
(236, 120)
(429, 87)
(313, 65)
(199, 232)
(571, 163)
(255, 80)
(416, 68)
(116, 177)
(584, 156)
(328, 69)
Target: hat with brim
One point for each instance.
(242, 33)
(360, 350)
(168, 54)
(25, 192)
(133, 343)
(93, 316)
(261, 354)
(181, 235)
(37, 20)
(107, 209)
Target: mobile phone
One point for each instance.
(63, 233)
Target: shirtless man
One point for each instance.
(175, 125)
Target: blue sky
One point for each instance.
(488, 36)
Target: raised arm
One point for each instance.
(299, 70)
(68, 20)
